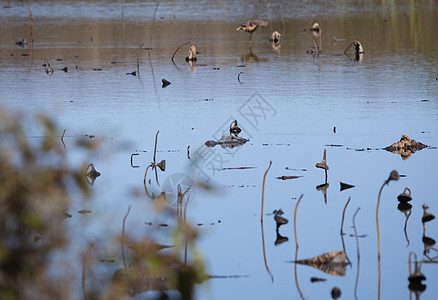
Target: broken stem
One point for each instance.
(263, 190)
(153, 23)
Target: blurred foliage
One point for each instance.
(37, 186)
(35, 181)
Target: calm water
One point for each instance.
(296, 100)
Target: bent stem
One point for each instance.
(174, 53)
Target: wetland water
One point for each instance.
(287, 103)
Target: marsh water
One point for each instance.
(290, 104)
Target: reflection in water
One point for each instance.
(323, 188)
(342, 229)
(416, 277)
(358, 51)
(427, 217)
(296, 248)
(428, 243)
(405, 208)
(91, 175)
(333, 262)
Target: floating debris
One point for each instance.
(405, 197)
(346, 186)
(237, 168)
(165, 83)
(333, 262)
(405, 147)
(84, 211)
(65, 69)
(97, 69)
(230, 141)
(284, 177)
(134, 73)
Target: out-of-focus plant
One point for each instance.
(36, 186)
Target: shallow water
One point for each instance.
(298, 99)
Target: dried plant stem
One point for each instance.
(296, 248)
(123, 237)
(123, 9)
(152, 32)
(155, 162)
(138, 60)
(358, 253)
(378, 238)
(342, 229)
(264, 253)
(174, 53)
(263, 190)
(83, 270)
(30, 23)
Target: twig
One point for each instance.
(132, 164)
(123, 237)
(174, 53)
(263, 190)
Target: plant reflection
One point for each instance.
(91, 175)
(415, 278)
